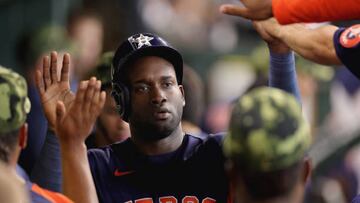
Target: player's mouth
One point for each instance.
(162, 114)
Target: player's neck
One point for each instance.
(162, 146)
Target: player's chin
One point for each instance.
(165, 125)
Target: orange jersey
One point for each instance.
(294, 11)
(52, 197)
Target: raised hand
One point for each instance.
(269, 32)
(74, 123)
(252, 9)
(52, 88)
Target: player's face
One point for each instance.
(157, 100)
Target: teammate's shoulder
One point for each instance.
(208, 139)
(219, 135)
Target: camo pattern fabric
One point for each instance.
(14, 102)
(267, 131)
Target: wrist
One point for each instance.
(71, 142)
(279, 48)
(281, 58)
(72, 149)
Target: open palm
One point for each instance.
(74, 123)
(53, 89)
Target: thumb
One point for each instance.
(238, 11)
(60, 112)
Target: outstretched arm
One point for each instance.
(71, 117)
(282, 73)
(295, 11)
(313, 44)
(73, 125)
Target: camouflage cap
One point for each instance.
(102, 71)
(14, 102)
(267, 131)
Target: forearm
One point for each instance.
(78, 183)
(282, 73)
(286, 11)
(47, 170)
(315, 45)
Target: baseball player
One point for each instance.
(158, 163)
(266, 147)
(15, 105)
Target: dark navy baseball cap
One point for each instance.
(145, 44)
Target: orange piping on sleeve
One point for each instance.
(53, 197)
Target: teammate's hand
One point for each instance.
(252, 9)
(269, 32)
(51, 88)
(74, 124)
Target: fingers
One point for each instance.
(39, 82)
(102, 100)
(244, 12)
(65, 68)
(46, 72)
(89, 94)
(236, 11)
(79, 98)
(53, 67)
(50, 69)
(89, 99)
(98, 101)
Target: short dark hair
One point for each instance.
(265, 185)
(7, 144)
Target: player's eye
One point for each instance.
(167, 84)
(141, 88)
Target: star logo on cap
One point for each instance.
(141, 40)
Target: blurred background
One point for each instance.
(225, 57)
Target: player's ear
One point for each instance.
(307, 169)
(183, 93)
(23, 135)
